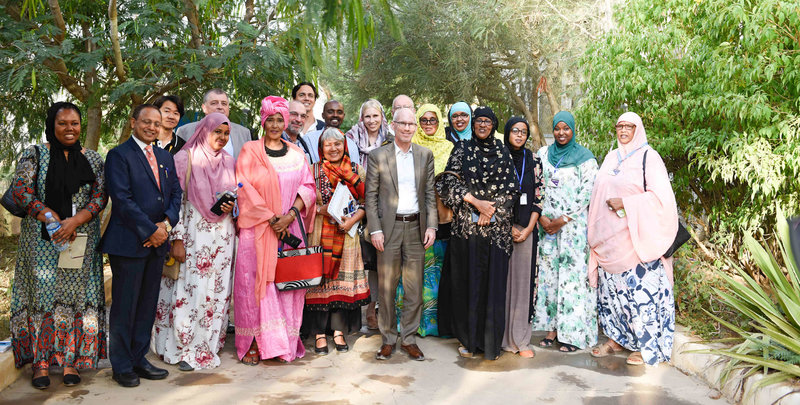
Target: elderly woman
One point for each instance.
(460, 119)
(337, 302)
(520, 288)
(58, 314)
(276, 185)
(633, 220)
(566, 306)
(431, 134)
(192, 311)
(171, 108)
(371, 132)
(481, 193)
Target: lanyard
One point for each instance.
(520, 176)
(558, 164)
(621, 159)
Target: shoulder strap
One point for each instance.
(644, 170)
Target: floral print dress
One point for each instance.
(192, 312)
(565, 302)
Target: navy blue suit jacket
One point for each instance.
(137, 203)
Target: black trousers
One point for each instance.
(134, 292)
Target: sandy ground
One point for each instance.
(356, 377)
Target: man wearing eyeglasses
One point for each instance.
(297, 118)
(216, 100)
(402, 217)
(401, 101)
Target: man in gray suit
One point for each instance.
(216, 100)
(402, 218)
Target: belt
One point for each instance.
(407, 218)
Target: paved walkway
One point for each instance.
(357, 378)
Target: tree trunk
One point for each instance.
(94, 121)
(126, 133)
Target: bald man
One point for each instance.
(333, 114)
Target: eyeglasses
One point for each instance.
(483, 122)
(425, 121)
(627, 127)
(147, 123)
(405, 124)
(517, 131)
(460, 116)
(295, 114)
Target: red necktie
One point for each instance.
(148, 151)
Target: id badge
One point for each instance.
(523, 199)
(614, 172)
(554, 182)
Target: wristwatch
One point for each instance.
(566, 219)
(167, 226)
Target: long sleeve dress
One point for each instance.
(58, 315)
(565, 302)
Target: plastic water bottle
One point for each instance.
(53, 226)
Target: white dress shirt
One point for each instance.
(141, 144)
(406, 185)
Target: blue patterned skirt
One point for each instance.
(637, 310)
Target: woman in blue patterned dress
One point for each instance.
(58, 314)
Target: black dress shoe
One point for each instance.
(126, 379)
(150, 372)
(71, 380)
(184, 366)
(41, 383)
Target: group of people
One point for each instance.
(458, 233)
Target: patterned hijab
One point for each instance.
(571, 154)
(487, 163)
(437, 142)
(358, 133)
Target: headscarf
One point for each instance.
(260, 200)
(332, 239)
(65, 175)
(271, 105)
(359, 135)
(212, 171)
(516, 154)
(487, 164)
(571, 154)
(461, 107)
(437, 142)
(651, 216)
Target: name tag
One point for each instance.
(554, 182)
(523, 199)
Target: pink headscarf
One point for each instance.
(273, 104)
(212, 171)
(651, 221)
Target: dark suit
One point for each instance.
(137, 205)
(404, 252)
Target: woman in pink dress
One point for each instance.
(275, 178)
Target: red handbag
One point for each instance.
(299, 268)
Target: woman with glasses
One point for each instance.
(479, 186)
(520, 288)
(430, 134)
(566, 306)
(633, 220)
(460, 120)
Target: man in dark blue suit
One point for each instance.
(146, 198)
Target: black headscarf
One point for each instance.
(516, 154)
(65, 175)
(489, 170)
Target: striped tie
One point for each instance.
(151, 158)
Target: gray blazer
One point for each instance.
(381, 194)
(239, 135)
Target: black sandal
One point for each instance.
(340, 348)
(569, 348)
(321, 350)
(546, 342)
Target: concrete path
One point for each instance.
(356, 377)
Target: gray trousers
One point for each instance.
(404, 255)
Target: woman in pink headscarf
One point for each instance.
(277, 186)
(633, 220)
(192, 311)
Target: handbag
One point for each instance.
(172, 267)
(445, 213)
(682, 236)
(8, 197)
(299, 268)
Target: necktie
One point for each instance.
(151, 158)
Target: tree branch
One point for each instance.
(70, 83)
(190, 11)
(250, 10)
(58, 18)
(563, 17)
(112, 17)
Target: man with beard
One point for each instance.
(297, 117)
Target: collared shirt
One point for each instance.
(406, 185)
(141, 144)
(301, 144)
(173, 146)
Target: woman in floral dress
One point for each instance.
(192, 312)
(566, 306)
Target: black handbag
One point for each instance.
(683, 235)
(8, 197)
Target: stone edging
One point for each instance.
(737, 390)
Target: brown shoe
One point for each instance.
(413, 352)
(385, 352)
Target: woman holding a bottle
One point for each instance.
(57, 306)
